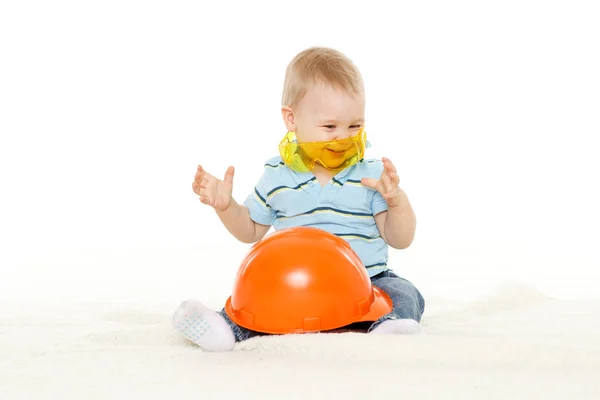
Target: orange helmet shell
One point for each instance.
(303, 279)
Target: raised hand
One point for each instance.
(213, 191)
(387, 184)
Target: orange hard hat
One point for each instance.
(303, 279)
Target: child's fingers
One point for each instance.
(203, 184)
(205, 196)
(389, 165)
(229, 175)
(203, 175)
(369, 182)
(199, 172)
(198, 187)
(387, 182)
(202, 181)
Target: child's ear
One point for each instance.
(288, 118)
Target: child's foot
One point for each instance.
(398, 326)
(203, 326)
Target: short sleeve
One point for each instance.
(378, 204)
(257, 204)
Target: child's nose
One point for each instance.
(342, 134)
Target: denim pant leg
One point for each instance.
(239, 332)
(407, 301)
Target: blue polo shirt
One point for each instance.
(285, 198)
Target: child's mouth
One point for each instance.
(336, 151)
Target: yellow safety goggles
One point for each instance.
(334, 155)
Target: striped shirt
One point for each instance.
(285, 198)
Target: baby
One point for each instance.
(357, 199)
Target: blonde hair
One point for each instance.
(320, 65)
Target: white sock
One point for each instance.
(203, 326)
(398, 326)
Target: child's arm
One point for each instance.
(398, 224)
(217, 193)
(236, 219)
(394, 215)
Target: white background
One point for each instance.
(490, 110)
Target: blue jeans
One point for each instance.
(407, 302)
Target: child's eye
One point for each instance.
(355, 127)
(330, 126)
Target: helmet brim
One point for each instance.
(381, 306)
